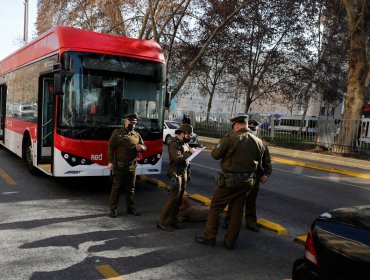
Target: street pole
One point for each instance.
(25, 29)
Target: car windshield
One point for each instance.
(173, 125)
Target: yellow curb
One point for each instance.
(152, 181)
(7, 178)
(109, 273)
(276, 228)
(201, 198)
(323, 168)
(301, 239)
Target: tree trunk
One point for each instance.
(357, 73)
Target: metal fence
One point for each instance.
(292, 132)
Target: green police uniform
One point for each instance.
(178, 174)
(240, 153)
(264, 169)
(122, 153)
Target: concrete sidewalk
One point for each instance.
(347, 164)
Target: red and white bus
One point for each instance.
(63, 94)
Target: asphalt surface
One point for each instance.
(312, 160)
(59, 229)
(330, 163)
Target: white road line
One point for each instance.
(299, 170)
(195, 164)
(326, 179)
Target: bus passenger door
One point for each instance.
(2, 111)
(45, 121)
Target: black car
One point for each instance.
(337, 246)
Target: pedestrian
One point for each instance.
(124, 146)
(240, 154)
(179, 175)
(263, 173)
(186, 119)
(253, 125)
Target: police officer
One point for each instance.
(124, 145)
(263, 173)
(178, 173)
(240, 154)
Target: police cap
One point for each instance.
(185, 128)
(252, 124)
(239, 119)
(132, 117)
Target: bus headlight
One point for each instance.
(74, 160)
(152, 159)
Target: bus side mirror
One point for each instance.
(167, 101)
(58, 84)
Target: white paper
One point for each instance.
(193, 155)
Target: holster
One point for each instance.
(231, 180)
(124, 166)
(220, 179)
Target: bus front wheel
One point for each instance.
(29, 160)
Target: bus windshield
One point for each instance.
(101, 89)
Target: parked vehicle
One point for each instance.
(337, 246)
(169, 129)
(18, 110)
(292, 124)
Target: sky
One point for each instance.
(11, 22)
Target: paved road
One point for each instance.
(294, 195)
(59, 229)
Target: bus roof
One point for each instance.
(64, 38)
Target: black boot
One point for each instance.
(132, 212)
(253, 228)
(203, 241)
(164, 228)
(113, 213)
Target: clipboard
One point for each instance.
(193, 155)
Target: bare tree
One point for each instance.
(266, 33)
(211, 73)
(358, 15)
(165, 21)
(233, 8)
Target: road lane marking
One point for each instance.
(7, 193)
(7, 178)
(196, 164)
(323, 168)
(109, 273)
(307, 165)
(324, 179)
